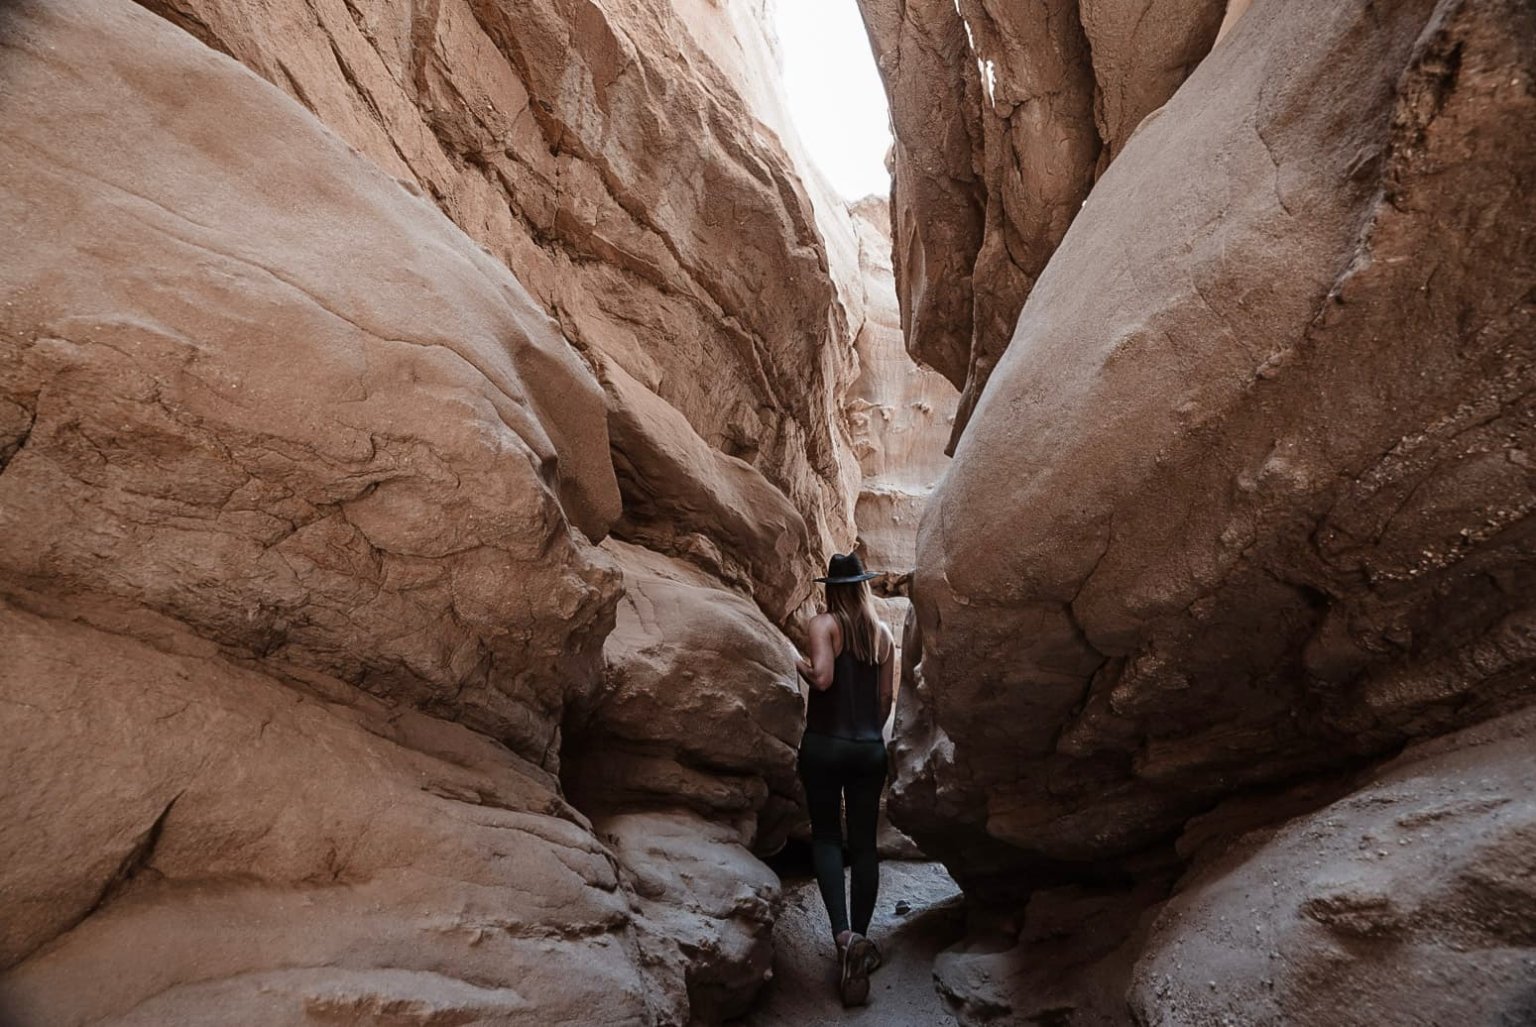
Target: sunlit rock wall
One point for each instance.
(899, 412)
(1005, 115)
(318, 395)
(1246, 503)
(610, 156)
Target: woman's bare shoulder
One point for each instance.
(823, 623)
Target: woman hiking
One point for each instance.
(852, 674)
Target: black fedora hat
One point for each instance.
(846, 570)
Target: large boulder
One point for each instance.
(299, 595)
(190, 840)
(685, 498)
(685, 760)
(709, 906)
(327, 432)
(700, 707)
(631, 164)
(1406, 895)
(1248, 496)
(1410, 900)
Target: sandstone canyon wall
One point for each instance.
(900, 415)
(418, 424)
(1243, 508)
(1004, 117)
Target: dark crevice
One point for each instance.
(10, 447)
(131, 865)
(183, 17)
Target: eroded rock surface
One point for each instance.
(1004, 116)
(937, 195)
(699, 707)
(1248, 497)
(330, 434)
(624, 161)
(200, 841)
(1407, 900)
(1412, 900)
(899, 413)
(302, 481)
(1247, 503)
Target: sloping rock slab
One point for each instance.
(1249, 496)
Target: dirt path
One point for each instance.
(803, 991)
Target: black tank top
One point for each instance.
(850, 707)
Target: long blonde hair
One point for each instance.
(854, 607)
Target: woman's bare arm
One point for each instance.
(817, 670)
(887, 676)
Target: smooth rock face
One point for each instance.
(1004, 116)
(333, 435)
(699, 708)
(200, 842)
(306, 625)
(1248, 497)
(622, 159)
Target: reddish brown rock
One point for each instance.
(1142, 53)
(190, 839)
(1403, 897)
(684, 497)
(624, 162)
(333, 435)
(1413, 899)
(1247, 498)
(700, 706)
(710, 904)
(937, 196)
(1004, 116)
(297, 584)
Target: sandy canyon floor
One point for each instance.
(804, 986)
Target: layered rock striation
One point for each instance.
(1004, 117)
(631, 172)
(415, 434)
(899, 413)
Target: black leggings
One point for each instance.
(830, 768)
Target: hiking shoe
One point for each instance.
(858, 959)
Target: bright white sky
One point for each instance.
(835, 96)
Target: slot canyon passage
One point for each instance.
(421, 422)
